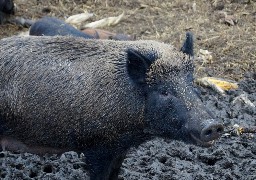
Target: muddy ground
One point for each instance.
(232, 41)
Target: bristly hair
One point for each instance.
(170, 63)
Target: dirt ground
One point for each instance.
(230, 38)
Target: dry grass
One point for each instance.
(233, 47)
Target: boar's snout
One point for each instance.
(210, 131)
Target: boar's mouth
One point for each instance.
(202, 143)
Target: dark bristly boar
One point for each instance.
(51, 26)
(98, 97)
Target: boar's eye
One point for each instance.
(164, 93)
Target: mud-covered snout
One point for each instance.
(205, 133)
(211, 130)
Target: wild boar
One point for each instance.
(50, 26)
(99, 97)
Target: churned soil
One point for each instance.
(226, 28)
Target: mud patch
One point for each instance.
(28, 166)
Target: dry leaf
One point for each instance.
(223, 84)
(194, 6)
(78, 19)
(244, 99)
(205, 55)
(110, 21)
(230, 20)
(218, 84)
(225, 18)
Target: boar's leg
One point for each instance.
(10, 144)
(116, 165)
(14, 145)
(104, 163)
(188, 46)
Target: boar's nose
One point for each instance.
(212, 130)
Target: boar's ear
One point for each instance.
(138, 65)
(188, 45)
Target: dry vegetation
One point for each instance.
(227, 28)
